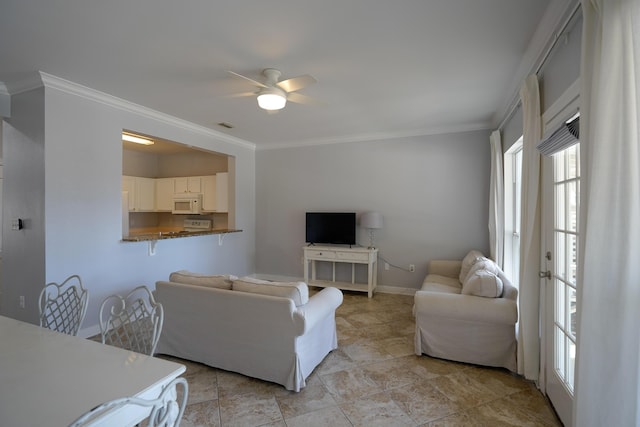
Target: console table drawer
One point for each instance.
(352, 256)
(321, 254)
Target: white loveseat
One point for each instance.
(466, 311)
(267, 330)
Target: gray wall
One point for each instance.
(512, 130)
(23, 255)
(563, 66)
(559, 71)
(63, 168)
(431, 190)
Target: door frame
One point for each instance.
(563, 109)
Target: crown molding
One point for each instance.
(472, 127)
(66, 86)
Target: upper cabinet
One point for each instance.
(156, 195)
(188, 184)
(222, 192)
(141, 193)
(165, 189)
(215, 192)
(209, 193)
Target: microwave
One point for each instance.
(187, 203)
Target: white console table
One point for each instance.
(334, 254)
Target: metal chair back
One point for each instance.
(132, 322)
(63, 306)
(165, 411)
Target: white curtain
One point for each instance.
(529, 329)
(608, 354)
(496, 203)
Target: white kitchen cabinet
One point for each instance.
(208, 193)
(165, 189)
(215, 192)
(142, 193)
(145, 194)
(129, 185)
(222, 192)
(188, 184)
(156, 195)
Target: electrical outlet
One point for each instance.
(386, 265)
(21, 301)
(412, 268)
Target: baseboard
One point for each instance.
(384, 289)
(396, 290)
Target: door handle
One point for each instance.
(544, 274)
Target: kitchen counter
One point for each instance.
(147, 235)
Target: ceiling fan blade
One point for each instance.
(303, 99)
(239, 95)
(296, 83)
(254, 82)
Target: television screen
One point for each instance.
(331, 227)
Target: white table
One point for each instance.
(338, 254)
(50, 379)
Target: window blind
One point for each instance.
(567, 135)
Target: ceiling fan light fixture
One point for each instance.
(271, 99)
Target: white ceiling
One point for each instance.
(384, 68)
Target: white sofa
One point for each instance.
(267, 330)
(466, 311)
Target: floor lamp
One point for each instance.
(371, 221)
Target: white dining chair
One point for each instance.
(62, 307)
(165, 411)
(132, 322)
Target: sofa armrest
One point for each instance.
(449, 268)
(467, 307)
(320, 305)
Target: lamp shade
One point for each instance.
(371, 220)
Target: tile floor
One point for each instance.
(372, 379)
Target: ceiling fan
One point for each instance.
(273, 94)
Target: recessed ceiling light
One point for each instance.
(137, 139)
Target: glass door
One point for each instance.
(561, 206)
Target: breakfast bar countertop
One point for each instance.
(147, 235)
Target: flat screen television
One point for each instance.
(337, 228)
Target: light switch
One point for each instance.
(16, 224)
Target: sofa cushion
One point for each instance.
(467, 262)
(196, 279)
(296, 291)
(438, 283)
(483, 283)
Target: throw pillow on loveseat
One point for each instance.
(483, 279)
(296, 291)
(222, 281)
